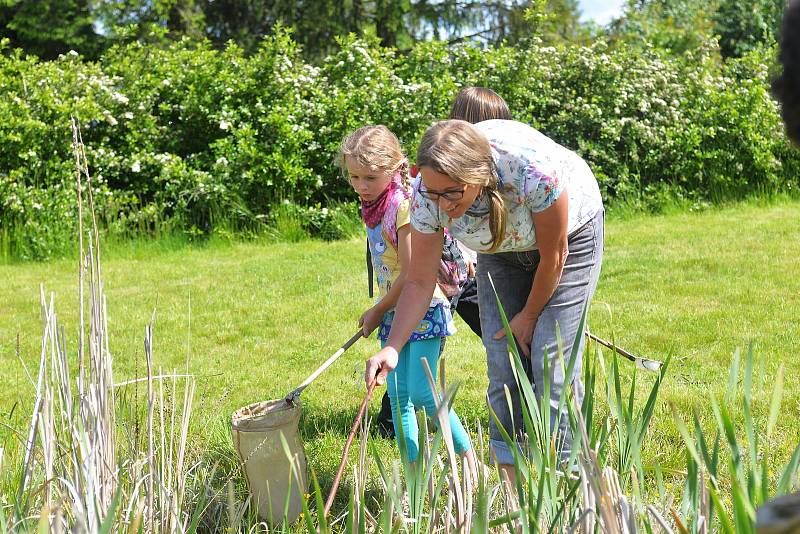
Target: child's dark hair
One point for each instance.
(476, 104)
(786, 87)
(376, 147)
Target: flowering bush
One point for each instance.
(193, 139)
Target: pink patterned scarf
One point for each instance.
(373, 211)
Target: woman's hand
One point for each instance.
(553, 243)
(370, 320)
(380, 365)
(522, 326)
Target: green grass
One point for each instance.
(252, 320)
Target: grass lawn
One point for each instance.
(252, 320)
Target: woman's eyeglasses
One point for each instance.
(450, 194)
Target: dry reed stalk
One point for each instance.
(360, 479)
(72, 439)
(148, 339)
(597, 483)
(658, 519)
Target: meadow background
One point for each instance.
(210, 130)
(251, 320)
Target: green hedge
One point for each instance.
(192, 139)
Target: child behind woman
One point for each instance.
(378, 172)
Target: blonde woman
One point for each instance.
(532, 209)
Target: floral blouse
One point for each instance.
(533, 171)
(382, 240)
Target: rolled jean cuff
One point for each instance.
(502, 452)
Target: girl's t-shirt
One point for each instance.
(385, 259)
(438, 321)
(532, 171)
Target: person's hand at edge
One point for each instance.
(380, 365)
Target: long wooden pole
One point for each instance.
(347, 444)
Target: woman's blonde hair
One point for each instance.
(476, 104)
(457, 149)
(376, 147)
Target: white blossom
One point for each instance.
(119, 97)
(109, 118)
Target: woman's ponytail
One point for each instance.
(497, 218)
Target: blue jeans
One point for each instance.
(409, 388)
(512, 273)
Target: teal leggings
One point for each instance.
(409, 388)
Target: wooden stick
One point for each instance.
(347, 444)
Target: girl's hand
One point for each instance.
(370, 320)
(522, 326)
(380, 365)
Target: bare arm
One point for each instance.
(551, 238)
(415, 298)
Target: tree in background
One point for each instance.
(744, 24)
(494, 22)
(681, 25)
(563, 22)
(48, 28)
(396, 23)
(673, 25)
(51, 27)
(150, 20)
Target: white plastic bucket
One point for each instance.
(272, 475)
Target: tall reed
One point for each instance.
(80, 471)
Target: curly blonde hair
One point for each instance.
(375, 147)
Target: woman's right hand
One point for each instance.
(380, 365)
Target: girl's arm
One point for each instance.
(415, 298)
(373, 316)
(551, 237)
